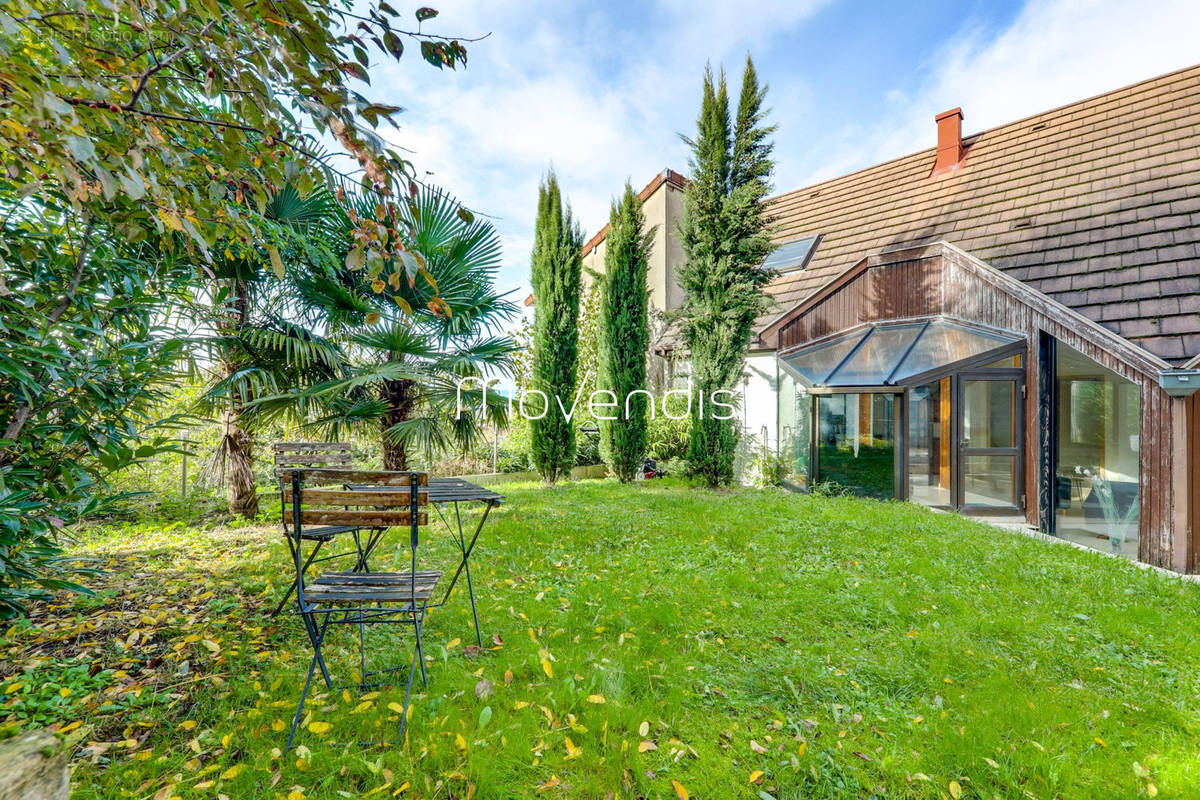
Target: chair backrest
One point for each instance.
(318, 497)
(310, 499)
(312, 454)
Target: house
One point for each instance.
(1004, 324)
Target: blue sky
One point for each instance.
(601, 90)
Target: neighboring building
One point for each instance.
(1004, 324)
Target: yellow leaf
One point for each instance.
(1099, 741)
(188, 724)
(361, 707)
(401, 789)
(991, 763)
(756, 776)
(64, 692)
(373, 317)
(231, 773)
(1151, 790)
(644, 729)
(346, 696)
(598, 699)
(453, 643)
(399, 709)
(645, 745)
(572, 750)
(170, 219)
(550, 784)
(278, 725)
(302, 764)
(955, 790)
(460, 741)
(320, 728)
(680, 792)
(295, 795)
(547, 668)
(276, 261)
(800, 750)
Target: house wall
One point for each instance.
(663, 208)
(940, 279)
(760, 388)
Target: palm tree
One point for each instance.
(406, 345)
(254, 350)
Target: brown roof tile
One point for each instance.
(1096, 203)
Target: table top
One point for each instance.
(443, 490)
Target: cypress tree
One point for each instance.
(625, 335)
(556, 262)
(724, 233)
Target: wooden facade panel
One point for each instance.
(943, 280)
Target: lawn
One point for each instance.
(641, 641)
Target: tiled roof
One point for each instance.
(1095, 204)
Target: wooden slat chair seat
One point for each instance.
(357, 587)
(356, 597)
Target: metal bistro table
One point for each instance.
(443, 493)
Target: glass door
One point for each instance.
(990, 429)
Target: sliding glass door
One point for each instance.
(990, 426)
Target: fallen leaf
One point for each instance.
(955, 790)
(547, 668)
(756, 776)
(598, 699)
(572, 750)
(756, 747)
(645, 745)
(680, 792)
(483, 688)
(320, 728)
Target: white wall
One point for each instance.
(760, 387)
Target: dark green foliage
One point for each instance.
(625, 335)
(724, 234)
(556, 265)
(85, 345)
(398, 354)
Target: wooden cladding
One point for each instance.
(902, 290)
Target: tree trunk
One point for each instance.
(241, 488)
(400, 397)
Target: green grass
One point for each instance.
(826, 647)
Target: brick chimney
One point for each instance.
(950, 151)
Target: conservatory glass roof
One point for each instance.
(885, 355)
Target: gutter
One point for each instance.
(1179, 382)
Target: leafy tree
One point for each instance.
(402, 363)
(87, 337)
(724, 233)
(625, 335)
(557, 263)
(195, 111)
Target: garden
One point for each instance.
(240, 324)
(639, 641)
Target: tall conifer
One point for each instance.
(724, 233)
(625, 335)
(556, 262)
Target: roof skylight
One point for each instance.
(791, 256)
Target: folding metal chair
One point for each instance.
(351, 597)
(322, 454)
